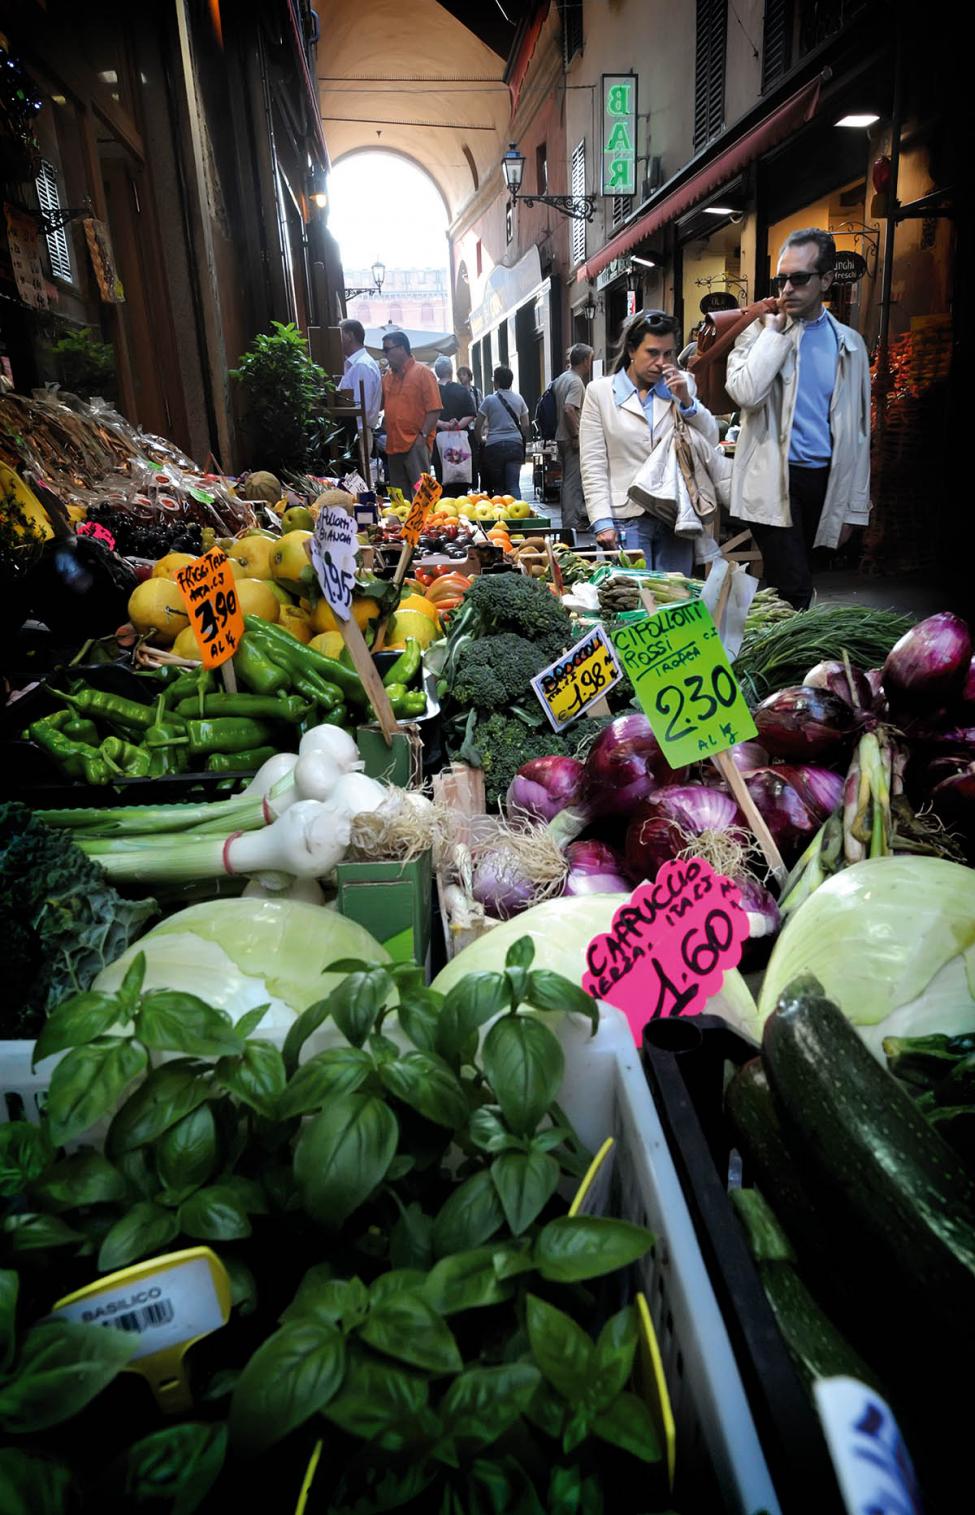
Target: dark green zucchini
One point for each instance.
(958, 1087)
(878, 1170)
(816, 1347)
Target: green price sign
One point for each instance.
(678, 667)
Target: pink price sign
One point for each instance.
(670, 945)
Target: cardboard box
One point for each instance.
(393, 901)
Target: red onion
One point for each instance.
(878, 701)
(805, 723)
(820, 789)
(543, 787)
(833, 676)
(968, 689)
(595, 868)
(747, 756)
(666, 824)
(785, 812)
(945, 739)
(954, 801)
(622, 766)
(763, 913)
(928, 667)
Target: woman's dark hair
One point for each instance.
(645, 323)
(503, 377)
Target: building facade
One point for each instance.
(415, 298)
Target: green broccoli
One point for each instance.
(514, 602)
(501, 744)
(495, 671)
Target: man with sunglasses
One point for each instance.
(412, 403)
(802, 382)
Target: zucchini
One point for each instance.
(885, 1180)
(958, 1087)
(817, 1348)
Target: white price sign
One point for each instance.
(873, 1466)
(333, 549)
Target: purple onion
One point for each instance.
(968, 688)
(501, 885)
(667, 823)
(954, 801)
(929, 666)
(623, 765)
(747, 756)
(543, 787)
(595, 868)
(804, 724)
(820, 789)
(878, 701)
(764, 918)
(790, 819)
(945, 739)
(832, 675)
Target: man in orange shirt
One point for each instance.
(412, 402)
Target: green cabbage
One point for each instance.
(892, 941)
(561, 931)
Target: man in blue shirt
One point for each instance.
(802, 464)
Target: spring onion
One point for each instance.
(781, 653)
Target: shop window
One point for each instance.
(577, 187)
(622, 206)
(49, 199)
(541, 169)
(426, 313)
(709, 70)
(570, 14)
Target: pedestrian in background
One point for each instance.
(625, 417)
(465, 376)
(801, 475)
(457, 413)
(503, 426)
(411, 399)
(569, 390)
(361, 369)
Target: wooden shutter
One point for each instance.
(570, 12)
(709, 70)
(49, 199)
(776, 41)
(577, 187)
(622, 206)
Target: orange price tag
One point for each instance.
(210, 596)
(427, 494)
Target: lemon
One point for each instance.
(410, 623)
(252, 557)
(289, 560)
(169, 566)
(329, 643)
(296, 622)
(323, 618)
(156, 606)
(364, 611)
(254, 598)
(186, 645)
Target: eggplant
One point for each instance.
(79, 588)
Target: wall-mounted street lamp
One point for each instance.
(318, 187)
(376, 287)
(579, 207)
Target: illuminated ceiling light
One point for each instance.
(857, 121)
(719, 210)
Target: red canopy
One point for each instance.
(787, 118)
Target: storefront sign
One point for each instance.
(850, 268)
(612, 271)
(576, 680)
(683, 681)
(669, 946)
(210, 596)
(428, 492)
(333, 549)
(504, 290)
(619, 134)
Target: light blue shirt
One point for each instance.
(623, 387)
(362, 366)
(810, 442)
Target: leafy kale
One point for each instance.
(61, 916)
(500, 744)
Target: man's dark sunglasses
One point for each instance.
(798, 281)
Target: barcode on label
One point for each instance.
(142, 1320)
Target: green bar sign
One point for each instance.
(682, 678)
(619, 134)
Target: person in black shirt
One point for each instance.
(457, 414)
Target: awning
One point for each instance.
(425, 345)
(790, 115)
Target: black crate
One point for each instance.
(687, 1062)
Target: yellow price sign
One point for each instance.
(576, 680)
(428, 492)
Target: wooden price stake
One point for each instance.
(210, 596)
(428, 492)
(683, 681)
(332, 550)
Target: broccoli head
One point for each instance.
(493, 672)
(501, 744)
(515, 602)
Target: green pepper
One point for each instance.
(234, 762)
(337, 716)
(414, 704)
(131, 760)
(75, 758)
(256, 670)
(77, 729)
(111, 707)
(313, 688)
(396, 692)
(407, 665)
(164, 742)
(226, 734)
(191, 681)
(268, 707)
(298, 659)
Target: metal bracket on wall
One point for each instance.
(868, 234)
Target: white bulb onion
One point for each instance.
(338, 744)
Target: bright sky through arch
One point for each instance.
(381, 206)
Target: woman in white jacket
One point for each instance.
(624, 417)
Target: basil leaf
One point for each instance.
(147, 1228)
(576, 1430)
(138, 1171)
(356, 1002)
(305, 1026)
(186, 1154)
(572, 1493)
(524, 1064)
(469, 1217)
(316, 1296)
(419, 1012)
(411, 1239)
(395, 1281)
(547, 1411)
(574, 1248)
(131, 988)
(525, 1184)
(179, 1463)
(613, 1359)
(84, 1178)
(521, 954)
(404, 1326)
(562, 1349)
(61, 1369)
(292, 1376)
(243, 1285)
(379, 1404)
(483, 1403)
(514, 1259)
(27, 1232)
(248, 1193)
(87, 1083)
(627, 1424)
(9, 1289)
(169, 1021)
(24, 1154)
(429, 1086)
(79, 1019)
(343, 1154)
(214, 1214)
(169, 1093)
(250, 1021)
(551, 991)
(339, 1070)
(487, 1131)
(466, 1281)
(466, 1007)
(32, 1485)
(257, 1077)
